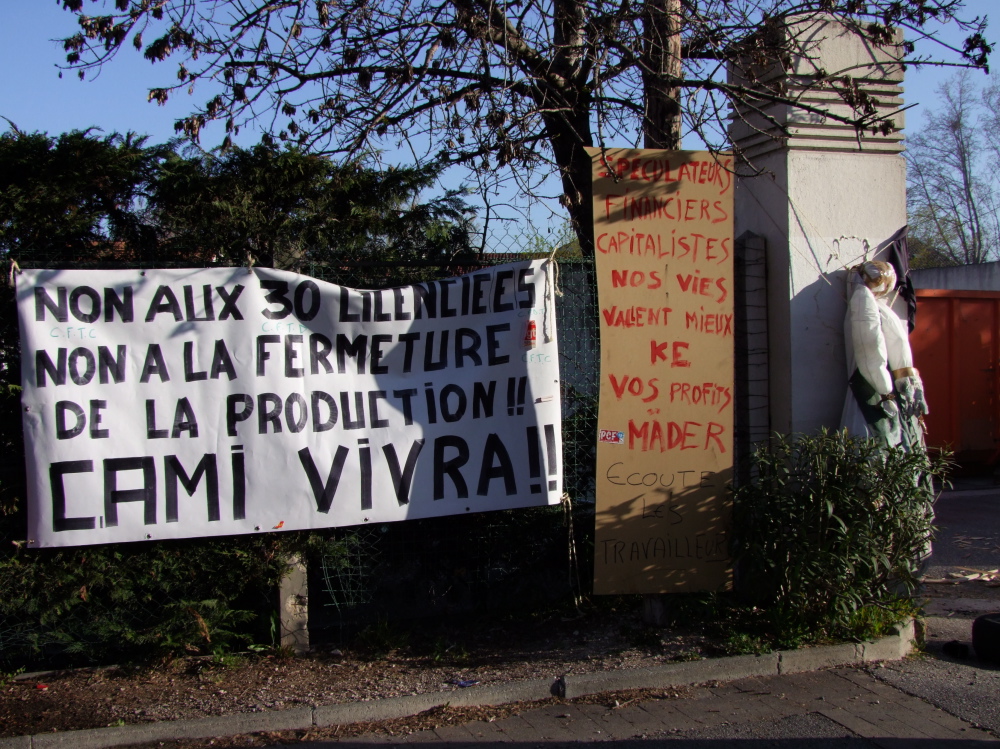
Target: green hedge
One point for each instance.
(832, 530)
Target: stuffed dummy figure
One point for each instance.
(886, 397)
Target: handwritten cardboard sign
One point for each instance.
(179, 403)
(664, 263)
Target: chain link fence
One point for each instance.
(487, 562)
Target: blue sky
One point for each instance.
(34, 97)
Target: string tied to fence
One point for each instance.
(552, 290)
(572, 559)
(249, 262)
(15, 270)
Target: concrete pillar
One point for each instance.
(293, 606)
(825, 198)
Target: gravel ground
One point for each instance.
(198, 687)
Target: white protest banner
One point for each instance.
(181, 403)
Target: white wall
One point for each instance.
(824, 200)
(983, 277)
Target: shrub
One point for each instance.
(830, 533)
(139, 601)
(130, 602)
(134, 601)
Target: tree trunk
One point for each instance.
(661, 128)
(579, 191)
(569, 128)
(661, 71)
(570, 135)
(570, 132)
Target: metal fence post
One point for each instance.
(751, 401)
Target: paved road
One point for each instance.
(968, 520)
(842, 708)
(969, 537)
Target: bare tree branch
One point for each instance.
(505, 86)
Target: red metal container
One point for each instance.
(956, 347)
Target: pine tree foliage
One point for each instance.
(72, 195)
(81, 198)
(287, 208)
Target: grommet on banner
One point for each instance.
(14, 269)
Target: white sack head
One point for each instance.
(879, 276)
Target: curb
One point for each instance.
(894, 647)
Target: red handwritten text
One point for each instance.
(691, 246)
(635, 387)
(672, 435)
(658, 352)
(702, 285)
(635, 278)
(701, 393)
(703, 172)
(713, 323)
(635, 317)
(674, 208)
